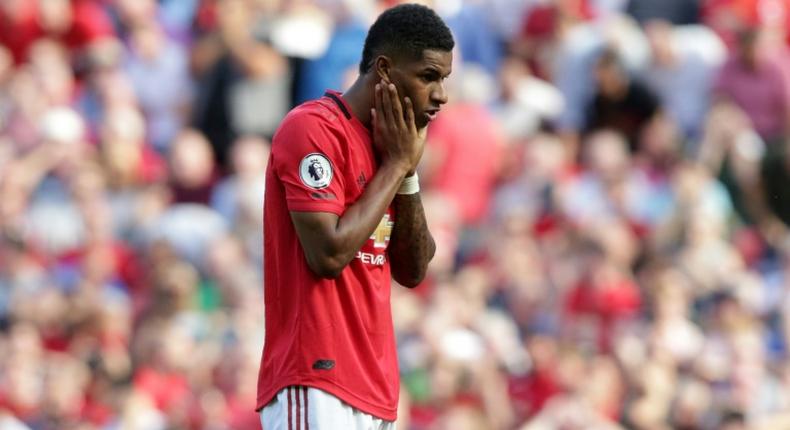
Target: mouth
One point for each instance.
(431, 114)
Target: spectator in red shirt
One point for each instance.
(603, 298)
(77, 24)
(463, 156)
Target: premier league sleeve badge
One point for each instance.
(315, 170)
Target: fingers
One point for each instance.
(394, 125)
(397, 109)
(378, 107)
(410, 122)
(377, 131)
(390, 109)
(386, 107)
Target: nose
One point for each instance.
(439, 94)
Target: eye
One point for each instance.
(430, 77)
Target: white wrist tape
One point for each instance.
(410, 185)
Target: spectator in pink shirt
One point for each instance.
(755, 84)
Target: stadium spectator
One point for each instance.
(619, 103)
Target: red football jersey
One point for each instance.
(332, 334)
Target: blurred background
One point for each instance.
(609, 189)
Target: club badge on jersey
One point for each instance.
(315, 170)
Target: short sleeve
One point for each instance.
(307, 159)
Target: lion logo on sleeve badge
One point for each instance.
(315, 170)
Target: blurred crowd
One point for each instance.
(609, 189)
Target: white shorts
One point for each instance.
(308, 408)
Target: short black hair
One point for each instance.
(406, 30)
(733, 416)
(610, 57)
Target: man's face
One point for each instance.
(423, 82)
(749, 47)
(610, 79)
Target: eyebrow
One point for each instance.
(434, 69)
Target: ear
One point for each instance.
(383, 65)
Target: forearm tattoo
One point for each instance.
(411, 246)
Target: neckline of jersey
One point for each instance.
(336, 97)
